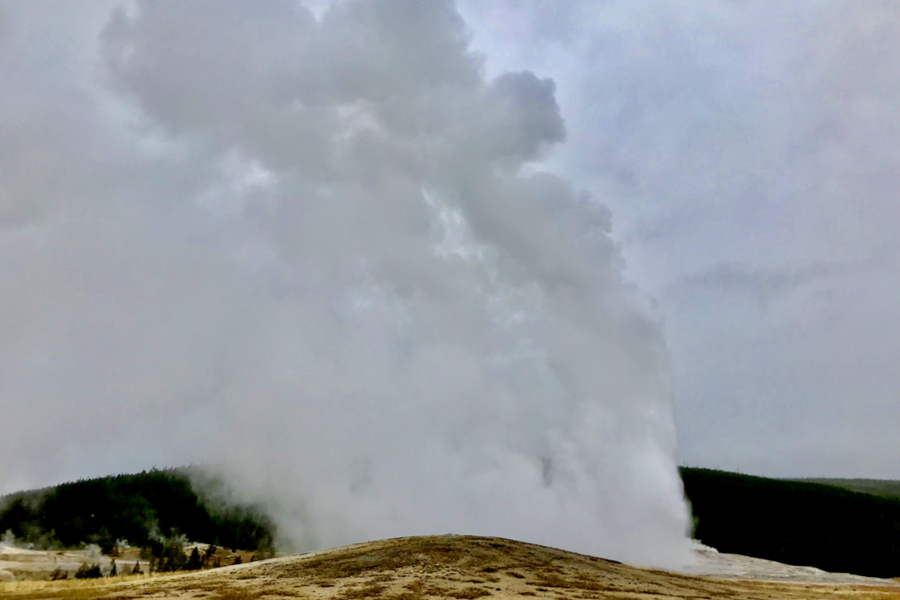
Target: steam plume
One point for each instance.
(321, 253)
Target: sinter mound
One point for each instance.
(439, 567)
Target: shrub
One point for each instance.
(86, 571)
(194, 562)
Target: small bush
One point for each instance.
(58, 574)
(86, 571)
(194, 562)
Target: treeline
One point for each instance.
(170, 556)
(143, 509)
(162, 557)
(795, 522)
(879, 487)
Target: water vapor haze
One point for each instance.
(749, 153)
(320, 251)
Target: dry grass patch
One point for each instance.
(235, 594)
(367, 591)
(72, 589)
(469, 592)
(448, 567)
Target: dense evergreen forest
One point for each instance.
(796, 522)
(879, 487)
(143, 509)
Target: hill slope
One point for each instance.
(439, 567)
(794, 522)
(879, 487)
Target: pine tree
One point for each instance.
(194, 563)
(86, 571)
(207, 556)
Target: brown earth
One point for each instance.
(422, 568)
(20, 564)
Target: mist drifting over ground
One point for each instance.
(320, 252)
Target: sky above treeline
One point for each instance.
(749, 154)
(564, 246)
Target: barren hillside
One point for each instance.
(440, 567)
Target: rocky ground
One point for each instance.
(736, 566)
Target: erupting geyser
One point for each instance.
(320, 253)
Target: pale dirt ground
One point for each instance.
(18, 564)
(39, 564)
(736, 566)
(450, 566)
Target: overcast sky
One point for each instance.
(749, 154)
(522, 238)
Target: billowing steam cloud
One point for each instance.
(319, 252)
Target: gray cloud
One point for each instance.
(321, 252)
(761, 284)
(745, 149)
